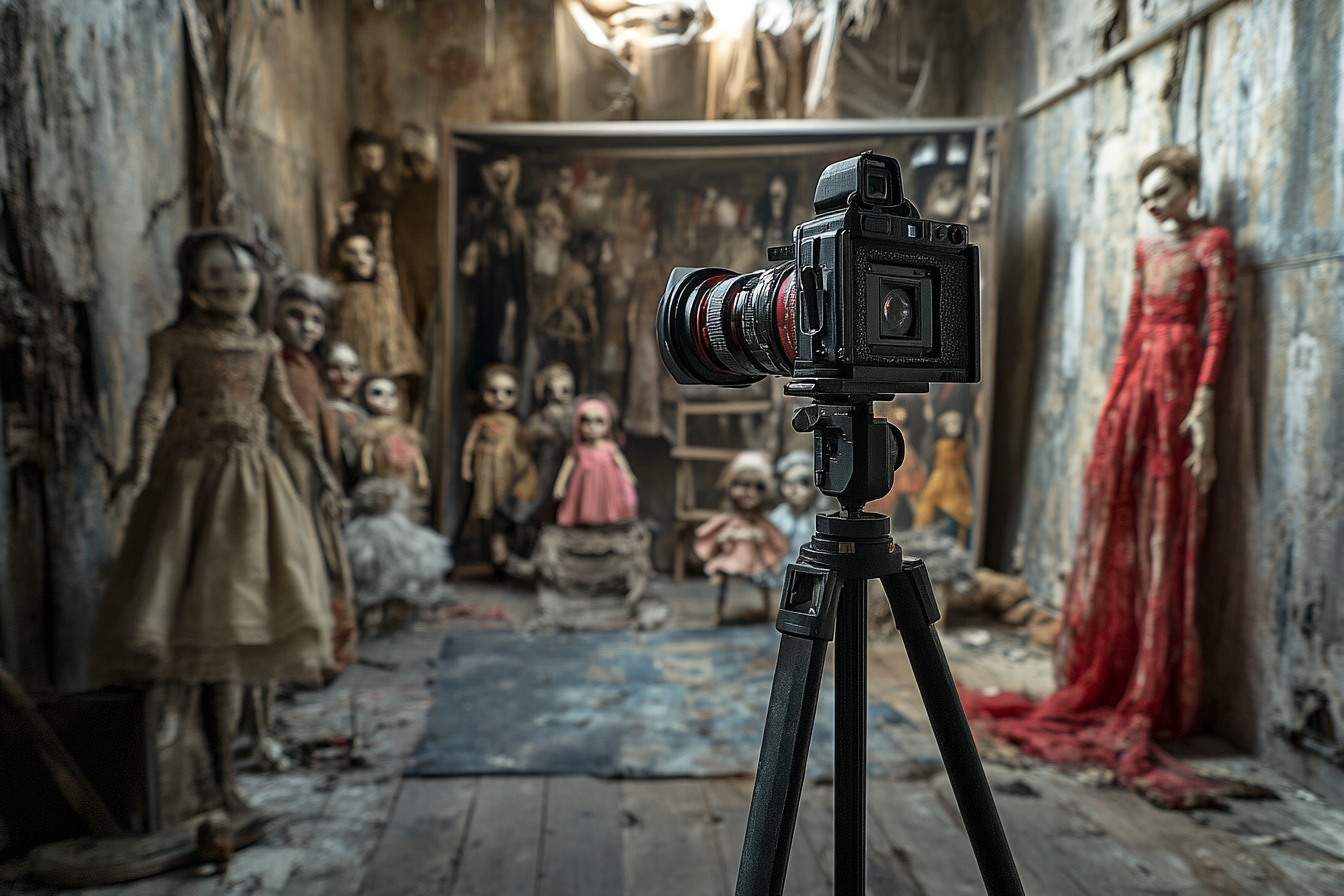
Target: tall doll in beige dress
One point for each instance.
(220, 581)
(495, 460)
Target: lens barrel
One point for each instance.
(721, 328)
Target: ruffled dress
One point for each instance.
(598, 493)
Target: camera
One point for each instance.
(871, 299)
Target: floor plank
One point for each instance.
(934, 846)
(423, 838)
(581, 847)
(503, 839)
(886, 873)
(669, 840)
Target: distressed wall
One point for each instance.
(1256, 89)
(96, 131)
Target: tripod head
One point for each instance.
(856, 456)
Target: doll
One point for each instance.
(389, 446)
(595, 486)
(300, 323)
(343, 374)
(494, 258)
(415, 224)
(548, 433)
(741, 541)
(796, 515)
(494, 459)
(369, 315)
(1127, 655)
(948, 488)
(220, 581)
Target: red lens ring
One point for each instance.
(786, 309)
(700, 332)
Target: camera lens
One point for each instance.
(727, 329)
(898, 313)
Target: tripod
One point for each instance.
(856, 457)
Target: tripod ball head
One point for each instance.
(855, 456)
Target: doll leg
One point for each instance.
(770, 604)
(720, 600)
(222, 704)
(260, 713)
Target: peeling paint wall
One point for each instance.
(95, 130)
(1256, 88)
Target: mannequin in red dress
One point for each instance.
(1128, 653)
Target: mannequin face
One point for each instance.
(343, 373)
(747, 490)
(227, 281)
(301, 324)
(561, 389)
(380, 397)
(798, 489)
(371, 157)
(594, 425)
(501, 392)
(357, 258)
(1166, 198)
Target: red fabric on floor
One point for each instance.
(1128, 651)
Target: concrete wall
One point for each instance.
(95, 129)
(1256, 89)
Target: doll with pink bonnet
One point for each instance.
(595, 486)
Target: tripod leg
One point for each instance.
(913, 606)
(851, 738)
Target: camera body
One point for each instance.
(871, 299)
(887, 300)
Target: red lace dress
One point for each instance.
(1128, 652)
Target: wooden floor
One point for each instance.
(367, 831)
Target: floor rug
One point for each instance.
(622, 704)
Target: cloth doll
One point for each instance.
(300, 323)
(595, 486)
(548, 434)
(1127, 656)
(369, 315)
(344, 374)
(494, 459)
(220, 581)
(389, 446)
(741, 541)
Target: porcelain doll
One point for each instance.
(344, 374)
(369, 315)
(795, 516)
(741, 541)
(548, 434)
(301, 322)
(1127, 655)
(220, 580)
(595, 486)
(494, 459)
(389, 446)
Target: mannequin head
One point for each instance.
(342, 370)
(355, 255)
(748, 482)
(1169, 186)
(499, 387)
(797, 480)
(380, 397)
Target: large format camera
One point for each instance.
(873, 299)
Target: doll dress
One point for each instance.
(597, 493)
(739, 557)
(220, 577)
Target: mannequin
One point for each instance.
(1128, 653)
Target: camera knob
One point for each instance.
(956, 235)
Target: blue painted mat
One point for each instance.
(622, 704)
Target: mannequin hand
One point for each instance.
(1198, 424)
(135, 476)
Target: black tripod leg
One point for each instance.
(913, 606)
(782, 767)
(851, 738)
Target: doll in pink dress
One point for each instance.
(741, 541)
(595, 486)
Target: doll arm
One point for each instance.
(469, 451)
(562, 478)
(421, 469)
(624, 466)
(280, 402)
(149, 415)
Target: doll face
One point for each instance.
(357, 258)
(747, 491)
(561, 389)
(778, 194)
(797, 488)
(594, 424)
(343, 372)
(301, 324)
(380, 397)
(1166, 197)
(501, 392)
(371, 156)
(227, 281)
(951, 424)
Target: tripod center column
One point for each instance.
(851, 737)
